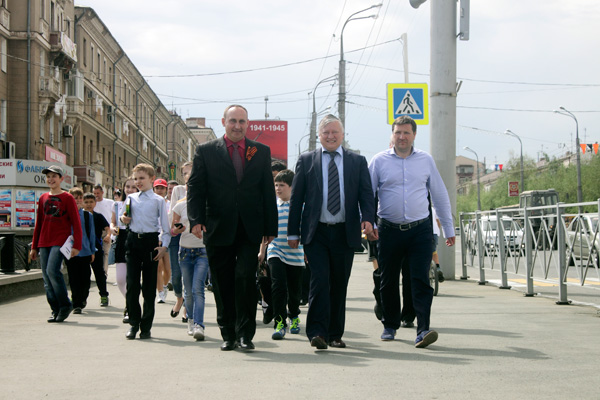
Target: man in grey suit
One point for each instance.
(331, 191)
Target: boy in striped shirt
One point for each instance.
(285, 264)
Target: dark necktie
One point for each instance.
(333, 187)
(237, 163)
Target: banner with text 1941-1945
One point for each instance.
(273, 133)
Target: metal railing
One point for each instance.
(538, 243)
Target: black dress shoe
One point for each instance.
(407, 324)
(267, 315)
(318, 342)
(246, 344)
(131, 333)
(228, 345)
(145, 335)
(338, 344)
(63, 314)
(52, 318)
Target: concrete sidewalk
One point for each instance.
(493, 344)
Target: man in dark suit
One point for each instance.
(329, 187)
(232, 206)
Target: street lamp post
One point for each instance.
(478, 192)
(312, 143)
(511, 133)
(564, 111)
(342, 68)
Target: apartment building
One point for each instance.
(70, 94)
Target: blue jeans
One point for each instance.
(175, 269)
(56, 289)
(194, 267)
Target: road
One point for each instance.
(493, 344)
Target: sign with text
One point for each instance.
(273, 133)
(55, 156)
(513, 189)
(14, 172)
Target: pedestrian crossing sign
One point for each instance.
(408, 99)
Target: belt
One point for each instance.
(402, 227)
(144, 235)
(331, 225)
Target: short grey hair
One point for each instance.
(329, 118)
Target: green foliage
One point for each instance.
(557, 176)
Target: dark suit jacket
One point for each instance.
(307, 191)
(216, 200)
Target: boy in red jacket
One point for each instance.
(57, 218)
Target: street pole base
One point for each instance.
(564, 303)
(482, 283)
(464, 278)
(504, 287)
(529, 294)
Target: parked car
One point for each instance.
(513, 235)
(582, 234)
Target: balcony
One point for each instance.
(49, 87)
(75, 108)
(5, 18)
(61, 43)
(44, 28)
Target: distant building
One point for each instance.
(202, 133)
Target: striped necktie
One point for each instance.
(333, 187)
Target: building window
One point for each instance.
(4, 57)
(52, 129)
(52, 17)
(43, 9)
(42, 131)
(92, 57)
(83, 150)
(3, 116)
(85, 52)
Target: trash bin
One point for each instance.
(7, 252)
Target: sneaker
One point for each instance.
(198, 332)
(190, 330)
(77, 310)
(161, 297)
(388, 334)
(125, 316)
(103, 301)
(294, 328)
(279, 331)
(425, 338)
(440, 275)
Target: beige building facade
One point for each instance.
(69, 92)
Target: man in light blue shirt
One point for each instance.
(403, 177)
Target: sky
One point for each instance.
(524, 59)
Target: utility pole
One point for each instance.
(442, 112)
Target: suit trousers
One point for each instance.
(330, 262)
(233, 273)
(410, 250)
(139, 253)
(79, 272)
